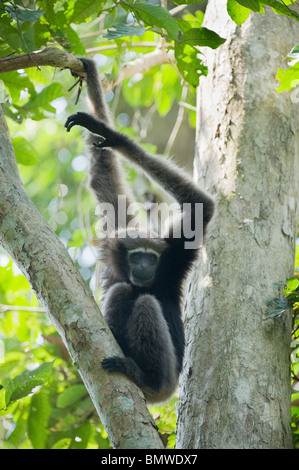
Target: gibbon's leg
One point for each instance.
(105, 171)
(116, 308)
(152, 361)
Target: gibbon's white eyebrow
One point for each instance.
(144, 250)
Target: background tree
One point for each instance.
(144, 51)
(247, 144)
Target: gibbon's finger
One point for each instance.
(79, 119)
(69, 126)
(70, 122)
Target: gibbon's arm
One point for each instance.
(165, 173)
(105, 171)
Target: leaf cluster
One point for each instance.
(289, 300)
(289, 78)
(239, 10)
(43, 402)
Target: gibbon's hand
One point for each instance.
(95, 126)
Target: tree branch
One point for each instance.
(20, 308)
(70, 305)
(50, 56)
(59, 58)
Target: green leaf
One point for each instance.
(47, 95)
(292, 284)
(25, 152)
(23, 14)
(75, 42)
(186, 52)
(189, 21)
(254, 5)
(294, 53)
(10, 34)
(70, 396)
(281, 9)
(157, 16)
(189, 64)
(62, 443)
(23, 384)
(122, 30)
(201, 37)
(288, 78)
(20, 429)
(81, 436)
(37, 426)
(49, 13)
(41, 34)
(83, 9)
(237, 12)
(277, 307)
(17, 82)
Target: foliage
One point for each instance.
(239, 10)
(24, 30)
(43, 402)
(277, 307)
(279, 7)
(289, 78)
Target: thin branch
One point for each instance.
(178, 122)
(141, 65)
(9, 308)
(110, 47)
(187, 105)
(178, 9)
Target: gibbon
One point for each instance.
(142, 273)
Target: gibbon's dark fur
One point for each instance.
(142, 308)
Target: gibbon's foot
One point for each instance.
(127, 366)
(114, 364)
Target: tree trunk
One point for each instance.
(235, 389)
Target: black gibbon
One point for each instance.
(142, 273)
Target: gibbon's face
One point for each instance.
(142, 264)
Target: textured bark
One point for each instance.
(71, 307)
(235, 389)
